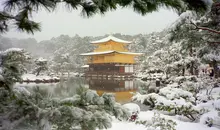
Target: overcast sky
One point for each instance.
(123, 21)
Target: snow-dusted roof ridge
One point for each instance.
(96, 53)
(110, 37)
(108, 52)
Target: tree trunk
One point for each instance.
(38, 72)
(183, 71)
(197, 71)
(215, 69)
(191, 68)
(192, 64)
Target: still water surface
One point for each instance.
(123, 89)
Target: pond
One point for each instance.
(123, 89)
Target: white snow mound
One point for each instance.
(132, 107)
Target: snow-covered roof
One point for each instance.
(96, 53)
(110, 37)
(131, 53)
(85, 66)
(108, 52)
(41, 59)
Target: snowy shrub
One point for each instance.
(40, 65)
(202, 98)
(191, 86)
(200, 88)
(132, 107)
(86, 110)
(176, 93)
(180, 79)
(210, 105)
(206, 86)
(158, 123)
(188, 83)
(12, 65)
(211, 118)
(173, 100)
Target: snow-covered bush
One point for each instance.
(21, 108)
(158, 123)
(132, 107)
(86, 110)
(61, 63)
(211, 118)
(173, 100)
(176, 93)
(40, 65)
(12, 65)
(205, 86)
(200, 87)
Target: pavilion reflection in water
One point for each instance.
(123, 89)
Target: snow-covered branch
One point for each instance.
(204, 28)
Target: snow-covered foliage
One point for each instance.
(172, 100)
(132, 107)
(171, 60)
(211, 118)
(12, 65)
(86, 109)
(21, 107)
(158, 123)
(40, 65)
(32, 78)
(204, 41)
(61, 63)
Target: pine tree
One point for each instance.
(62, 63)
(19, 12)
(22, 108)
(12, 66)
(202, 34)
(41, 65)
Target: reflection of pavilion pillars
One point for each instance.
(129, 85)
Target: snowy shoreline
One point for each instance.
(31, 78)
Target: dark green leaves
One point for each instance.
(28, 26)
(19, 11)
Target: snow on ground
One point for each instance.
(147, 115)
(33, 77)
(132, 107)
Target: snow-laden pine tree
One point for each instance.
(62, 63)
(12, 66)
(18, 12)
(23, 108)
(171, 99)
(199, 35)
(40, 65)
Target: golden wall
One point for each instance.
(112, 58)
(111, 45)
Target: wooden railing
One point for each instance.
(107, 74)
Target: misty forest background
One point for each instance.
(75, 45)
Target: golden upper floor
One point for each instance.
(111, 43)
(111, 50)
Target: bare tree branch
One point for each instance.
(214, 42)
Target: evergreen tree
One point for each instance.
(41, 65)
(12, 66)
(200, 33)
(19, 12)
(62, 63)
(22, 108)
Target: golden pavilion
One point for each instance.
(111, 57)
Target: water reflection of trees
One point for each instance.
(67, 88)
